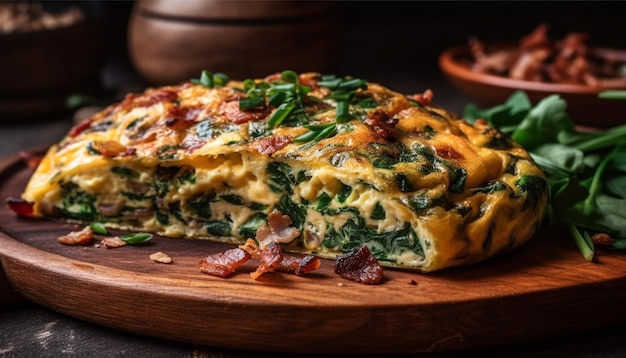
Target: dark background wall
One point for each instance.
(399, 35)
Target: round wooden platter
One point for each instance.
(543, 289)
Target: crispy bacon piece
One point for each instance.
(424, 98)
(31, 160)
(109, 148)
(20, 206)
(299, 265)
(496, 62)
(270, 145)
(448, 152)
(602, 239)
(81, 237)
(360, 266)
(181, 118)
(113, 242)
(149, 98)
(537, 38)
(224, 263)
(271, 256)
(277, 230)
(231, 111)
(382, 124)
(80, 127)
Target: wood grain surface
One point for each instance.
(544, 289)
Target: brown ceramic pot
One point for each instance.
(173, 41)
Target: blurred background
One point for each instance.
(109, 48)
(118, 47)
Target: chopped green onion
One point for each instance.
(342, 112)
(328, 132)
(353, 85)
(136, 238)
(318, 127)
(251, 102)
(342, 96)
(287, 87)
(330, 83)
(306, 137)
(206, 79)
(280, 114)
(248, 84)
(289, 76)
(98, 228)
(277, 98)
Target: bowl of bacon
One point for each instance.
(590, 79)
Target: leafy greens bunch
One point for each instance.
(586, 170)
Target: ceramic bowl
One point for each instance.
(40, 69)
(170, 42)
(486, 90)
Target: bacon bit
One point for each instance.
(251, 247)
(448, 152)
(181, 118)
(273, 77)
(80, 127)
(109, 148)
(150, 98)
(113, 242)
(191, 143)
(161, 257)
(360, 266)
(382, 124)
(271, 257)
(424, 98)
(237, 116)
(270, 145)
(277, 230)
(31, 160)
(82, 237)
(602, 239)
(308, 79)
(20, 206)
(224, 263)
(299, 265)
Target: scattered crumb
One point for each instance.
(112, 242)
(161, 257)
(340, 284)
(82, 237)
(411, 282)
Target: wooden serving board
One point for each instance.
(541, 290)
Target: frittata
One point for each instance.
(352, 163)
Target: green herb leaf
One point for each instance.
(136, 238)
(99, 228)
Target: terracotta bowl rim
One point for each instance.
(449, 64)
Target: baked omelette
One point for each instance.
(351, 163)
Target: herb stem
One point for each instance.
(604, 140)
(596, 183)
(584, 246)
